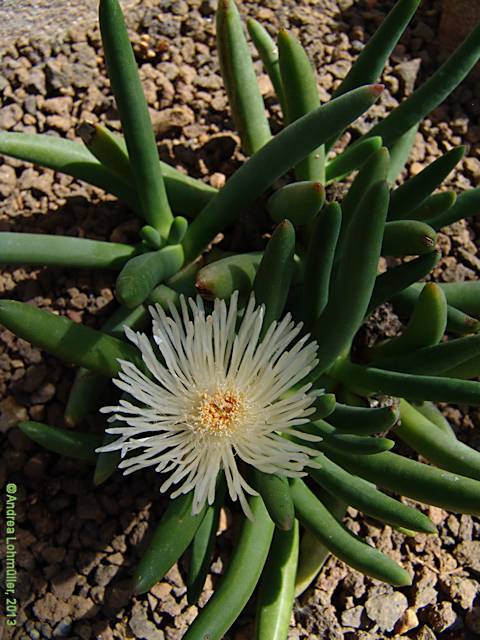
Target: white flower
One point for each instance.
(217, 395)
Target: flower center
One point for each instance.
(219, 413)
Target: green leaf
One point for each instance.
(371, 61)
(233, 273)
(64, 251)
(458, 322)
(341, 542)
(274, 274)
(425, 328)
(172, 536)
(107, 147)
(107, 461)
(283, 151)
(439, 359)
(335, 439)
(395, 280)
(400, 151)
(466, 205)
(414, 387)
(433, 206)
(68, 157)
(432, 92)
(140, 275)
(298, 202)
(67, 340)
(414, 191)
(240, 578)
(268, 52)
(361, 495)
(415, 480)
(434, 445)
(277, 586)
(312, 553)
(300, 94)
(275, 492)
(89, 386)
(408, 238)
(236, 66)
(151, 237)
(134, 115)
(372, 171)
(201, 548)
(350, 159)
(187, 195)
(63, 441)
(463, 295)
(319, 262)
(363, 420)
(177, 230)
(352, 289)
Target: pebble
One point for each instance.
(10, 115)
(8, 180)
(440, 616)
(353, 617)
(461, 591)
(468, 554)
(11, 413)
(408, 621)
(386, 609)
(141, 626)
(63, 628)
(51, 609)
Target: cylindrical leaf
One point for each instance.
(246, 102)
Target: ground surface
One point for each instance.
(78, 545)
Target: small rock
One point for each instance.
(11, 413)
(104, 574)
(60, 106)
(161, 590)
(82, 607)
(436, 515)
(353, 617)
(439, 616)
(63, 628)
(8, 180)
(468, 554)
(141, 626)
(217, 180)
(408, 621)
(119, 594)
(50, 609)
(408, 71)
(425, 633)
(10, 115)
(63, 583)
(462, 591)
(472, 166)
(169, 605)
(44, 394)
(175, 117)
(386, 609)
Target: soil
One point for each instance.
(77, 545)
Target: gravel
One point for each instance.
(78, 545)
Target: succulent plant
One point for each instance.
(284, 404)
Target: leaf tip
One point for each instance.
(376, 89)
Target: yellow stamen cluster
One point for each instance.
(219, 413)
